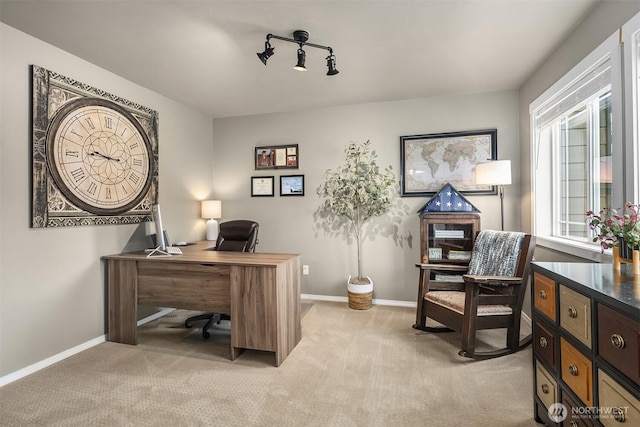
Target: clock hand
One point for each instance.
(96, 153)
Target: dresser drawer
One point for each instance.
(619, 341)
(575, 314)
(544, 295)
(576, 372)
(545, 339)
(577, 414)
(613, 395)
(546, 386)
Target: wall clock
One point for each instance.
(95, 155)
(99, 156)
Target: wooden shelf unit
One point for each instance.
(447, 231)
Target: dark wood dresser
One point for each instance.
(586, 352)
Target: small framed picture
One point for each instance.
(262, 186)
(277, 157)
(292, 185)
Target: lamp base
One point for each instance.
(212, 229)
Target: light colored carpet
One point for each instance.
(352, 368)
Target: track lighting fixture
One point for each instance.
(300, 37)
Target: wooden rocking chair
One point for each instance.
(491, 296)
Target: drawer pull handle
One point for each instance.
(573, 370)
(619, 415)
(617, 340)
(543, 295)
(545, 388)
(573, 313)
(544, 343)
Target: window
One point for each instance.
(578, 134)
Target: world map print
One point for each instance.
(431, 163)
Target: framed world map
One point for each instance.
(428, 162)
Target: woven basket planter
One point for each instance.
(360, 296)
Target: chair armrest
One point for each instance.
(492, 280)
(443, 267)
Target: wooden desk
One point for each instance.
(260, 291)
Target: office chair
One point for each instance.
(495, 283)
(237, 236)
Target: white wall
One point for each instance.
(52, 294)
(287, 223)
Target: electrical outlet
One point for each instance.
(305, 270)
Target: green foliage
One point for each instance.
(357, 191)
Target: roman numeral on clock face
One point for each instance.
(92, 188)
(77, 174)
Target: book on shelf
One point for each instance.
(448, 278)
(435, 253)
(455, 254)
(449, 234)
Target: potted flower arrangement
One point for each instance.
(353, 194)
(620, 231)
(613, 228)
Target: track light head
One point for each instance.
(268, 51)
(301, 58)
(331, 65)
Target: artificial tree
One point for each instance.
(356, 192)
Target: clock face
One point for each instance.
(99, 156)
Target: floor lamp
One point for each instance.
(212, 209)
(495, 172)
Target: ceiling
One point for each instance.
(203, 53)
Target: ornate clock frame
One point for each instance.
(51, 206)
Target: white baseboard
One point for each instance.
(50, 361)
(155, 316)
(14, 376)
(345, 300)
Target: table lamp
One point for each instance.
(495, 172)
(212, 209)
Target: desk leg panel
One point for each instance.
(289, 325)
(123, 301)
(253, 308)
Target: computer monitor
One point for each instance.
(161, 243)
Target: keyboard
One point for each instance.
(169, 250)
(174, 250)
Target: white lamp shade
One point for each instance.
(497, 172)
(211, 209)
